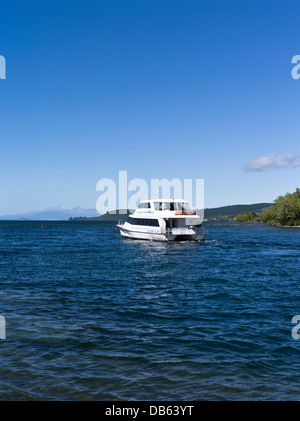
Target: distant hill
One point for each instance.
(230, 212)
(116, 215)
(210, 214)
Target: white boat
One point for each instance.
(163, 220)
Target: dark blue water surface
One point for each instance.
(90, 316)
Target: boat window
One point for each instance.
(183, 206)
(146, 205)
(167, 206)
(159, 206)
(186, 206)
(172, 206)
(143, 221)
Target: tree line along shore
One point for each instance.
(285, 212)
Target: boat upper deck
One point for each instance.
(170, 207)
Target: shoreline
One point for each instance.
(285, 226)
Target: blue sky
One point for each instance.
(175, 89)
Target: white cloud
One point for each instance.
(272, 162)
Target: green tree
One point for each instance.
(285, 211)
(247, 217)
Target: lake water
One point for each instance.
(91, 316)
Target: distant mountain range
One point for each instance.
(78, 213)
(52, 214)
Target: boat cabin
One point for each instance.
(180, 207)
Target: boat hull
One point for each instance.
(159, 236)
